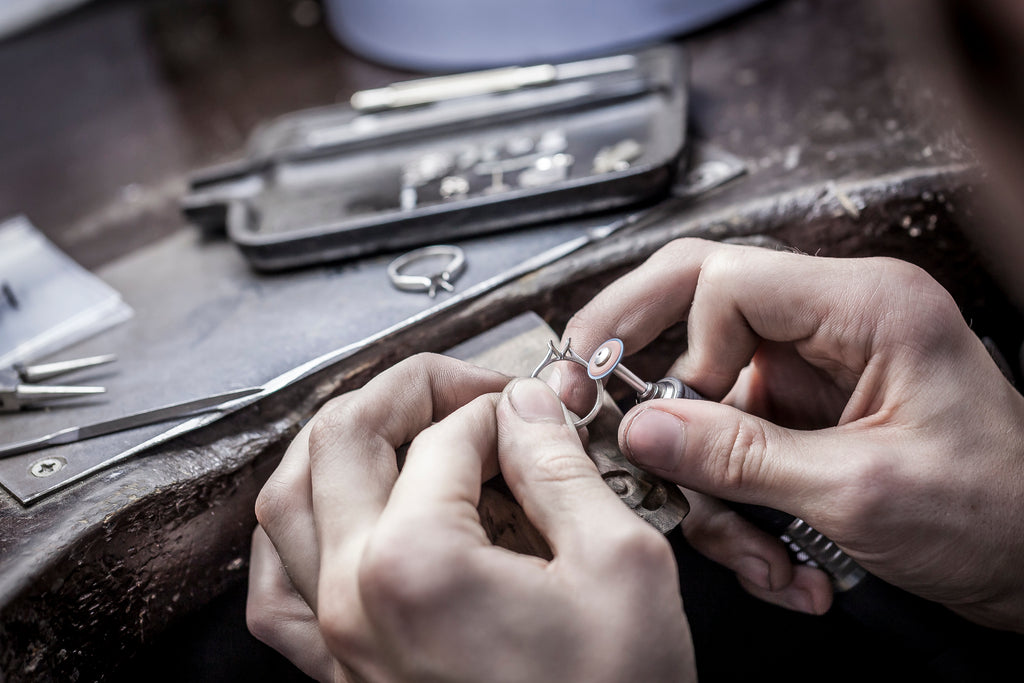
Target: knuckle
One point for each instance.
(561, 463)
(261, 621)
(869, 490)
(581, 319)
(672, 251)
(718, 266)
(425, 359)
(270, 608)
(329, 421)
(648, 547)
(709, 528)
(422, 370)
(338, 619)
(403, 573)
(359, 412)
(915, 294)
(873, 480)
(742, 456)
(422, 364)
(902, 273)
(637, 549)
(593, 319)
(273, 502)
(339, 423)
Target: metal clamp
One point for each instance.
(428, 283)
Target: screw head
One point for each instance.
(602, 356)
(47, 467)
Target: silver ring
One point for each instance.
(568, 354)
(443, 279)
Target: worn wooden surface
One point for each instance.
(848, 156)
(131, 553)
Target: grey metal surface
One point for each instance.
(206, 324)
(168, 413)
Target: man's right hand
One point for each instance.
(853, 395)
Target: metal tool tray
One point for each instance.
(327, 184)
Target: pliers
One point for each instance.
(20, 387)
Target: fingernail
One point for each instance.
(554, 380)
(755, 570)
(799, 600)
(534, 401)
(655, 440)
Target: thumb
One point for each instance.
(724, 452)
(550, 474)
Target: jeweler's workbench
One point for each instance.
(844, 155)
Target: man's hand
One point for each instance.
(366, 572)
(853, 395)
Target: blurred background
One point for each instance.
(107, 106)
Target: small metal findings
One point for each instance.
(467, 158)
(520, 145)
(552, 141)
(498, 183)
(617, 157)
(408, 198)
(442, 279)
(546, 171)
(490, 151)
(418, 173)
(566, 353)
(430, 166)
(454, 187)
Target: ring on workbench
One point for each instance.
(567, 353)
(443, 279)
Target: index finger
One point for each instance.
(439, 487)
(352, 445)
(733, 297)
(636, 308)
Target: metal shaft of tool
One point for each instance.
(141, 419)
(607, 360)
(32, 393)
(45, 371)
(630, 378)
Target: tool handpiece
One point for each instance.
(806, 545)
(927, 627)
